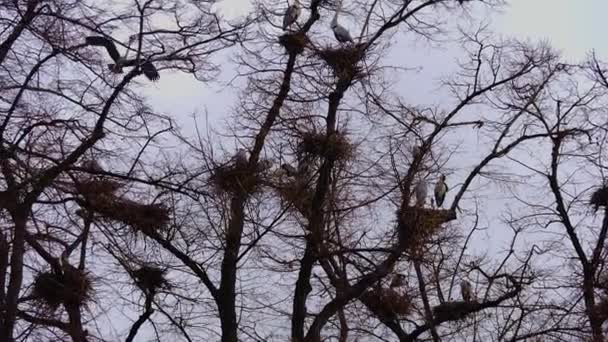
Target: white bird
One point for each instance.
(291, 14)
(290, 170)
(465, 290)
(241, 157)
(421, 192)
(441, 188)
(340, 32)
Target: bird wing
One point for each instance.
(150, 71)
(105, 42)
(290, 16)
(342, 34)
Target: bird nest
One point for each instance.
(599, 198)
(151, 278)
(452, 311)
(142, 217)
(417, 225)
(344, 61)
(335, 147)
(294, 43)
(601, 309)
(73, 287)
(296, 193)
(388, 302)
(96, 187)
(238, 178)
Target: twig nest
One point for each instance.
(294, 42)
(96, 187)
(72, 287)
(418, 225)
(151, 278)
(388, 302)
(601, 309)
(335, 147)
(344, 61)
(142, 217)
(599, 198)
(239, 178)
(452, 311)
(297, 193)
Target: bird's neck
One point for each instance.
(334, 21)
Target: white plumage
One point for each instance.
(441, 188)
(340, 32)
(465, 290)
(421, 191)
(291, 14)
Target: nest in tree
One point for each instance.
(418, 225)
(238, 178)
(294, 42)
(452, 311)
(296, 193)
(388, 302)
(336, 147)
(601, 309)
(73, 287)
(344, 61)
(151, 278)
(96, 187)
(142, 217)
(599, 198)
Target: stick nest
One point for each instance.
(143, 217)
(418, 226)
(151, 278)
(336, 147)
(452, 311)
(344, 61)
(96, 187)
(599, 198)
(239, 178)
(297, 193)
(388, 302)
(601, 309)
(294, 43)
(73, 287)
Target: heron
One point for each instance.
(421, 192)
(397, 281)
(147, 68)
(441, 188)
(92, 165)
(291, 14)
(340, 32)
(290, 170)
(465, 290)
(241, 157)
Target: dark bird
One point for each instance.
(465, 290)
(441, 188)
(241, 157)
(147, 68)
(397, 281)
(290, 170)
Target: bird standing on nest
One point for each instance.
(241, 157)
(340, 32)
(290, 170)
(147, 68)
(441, 188)
(465, 290)
(291, 15)
(398, 280)
(421, 192)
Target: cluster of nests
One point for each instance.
(69, 286)
(388, 302)
(452, 311)
(417, 226)
(99, 197)
(344, 60)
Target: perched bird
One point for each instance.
(465, 290)
(147, 68)
(241, 157)
(92, 165)
(421, 192)
(416, 150)
(340, 32)
(398, 280)
(290, 170)
(291, 15)
(441, 188)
